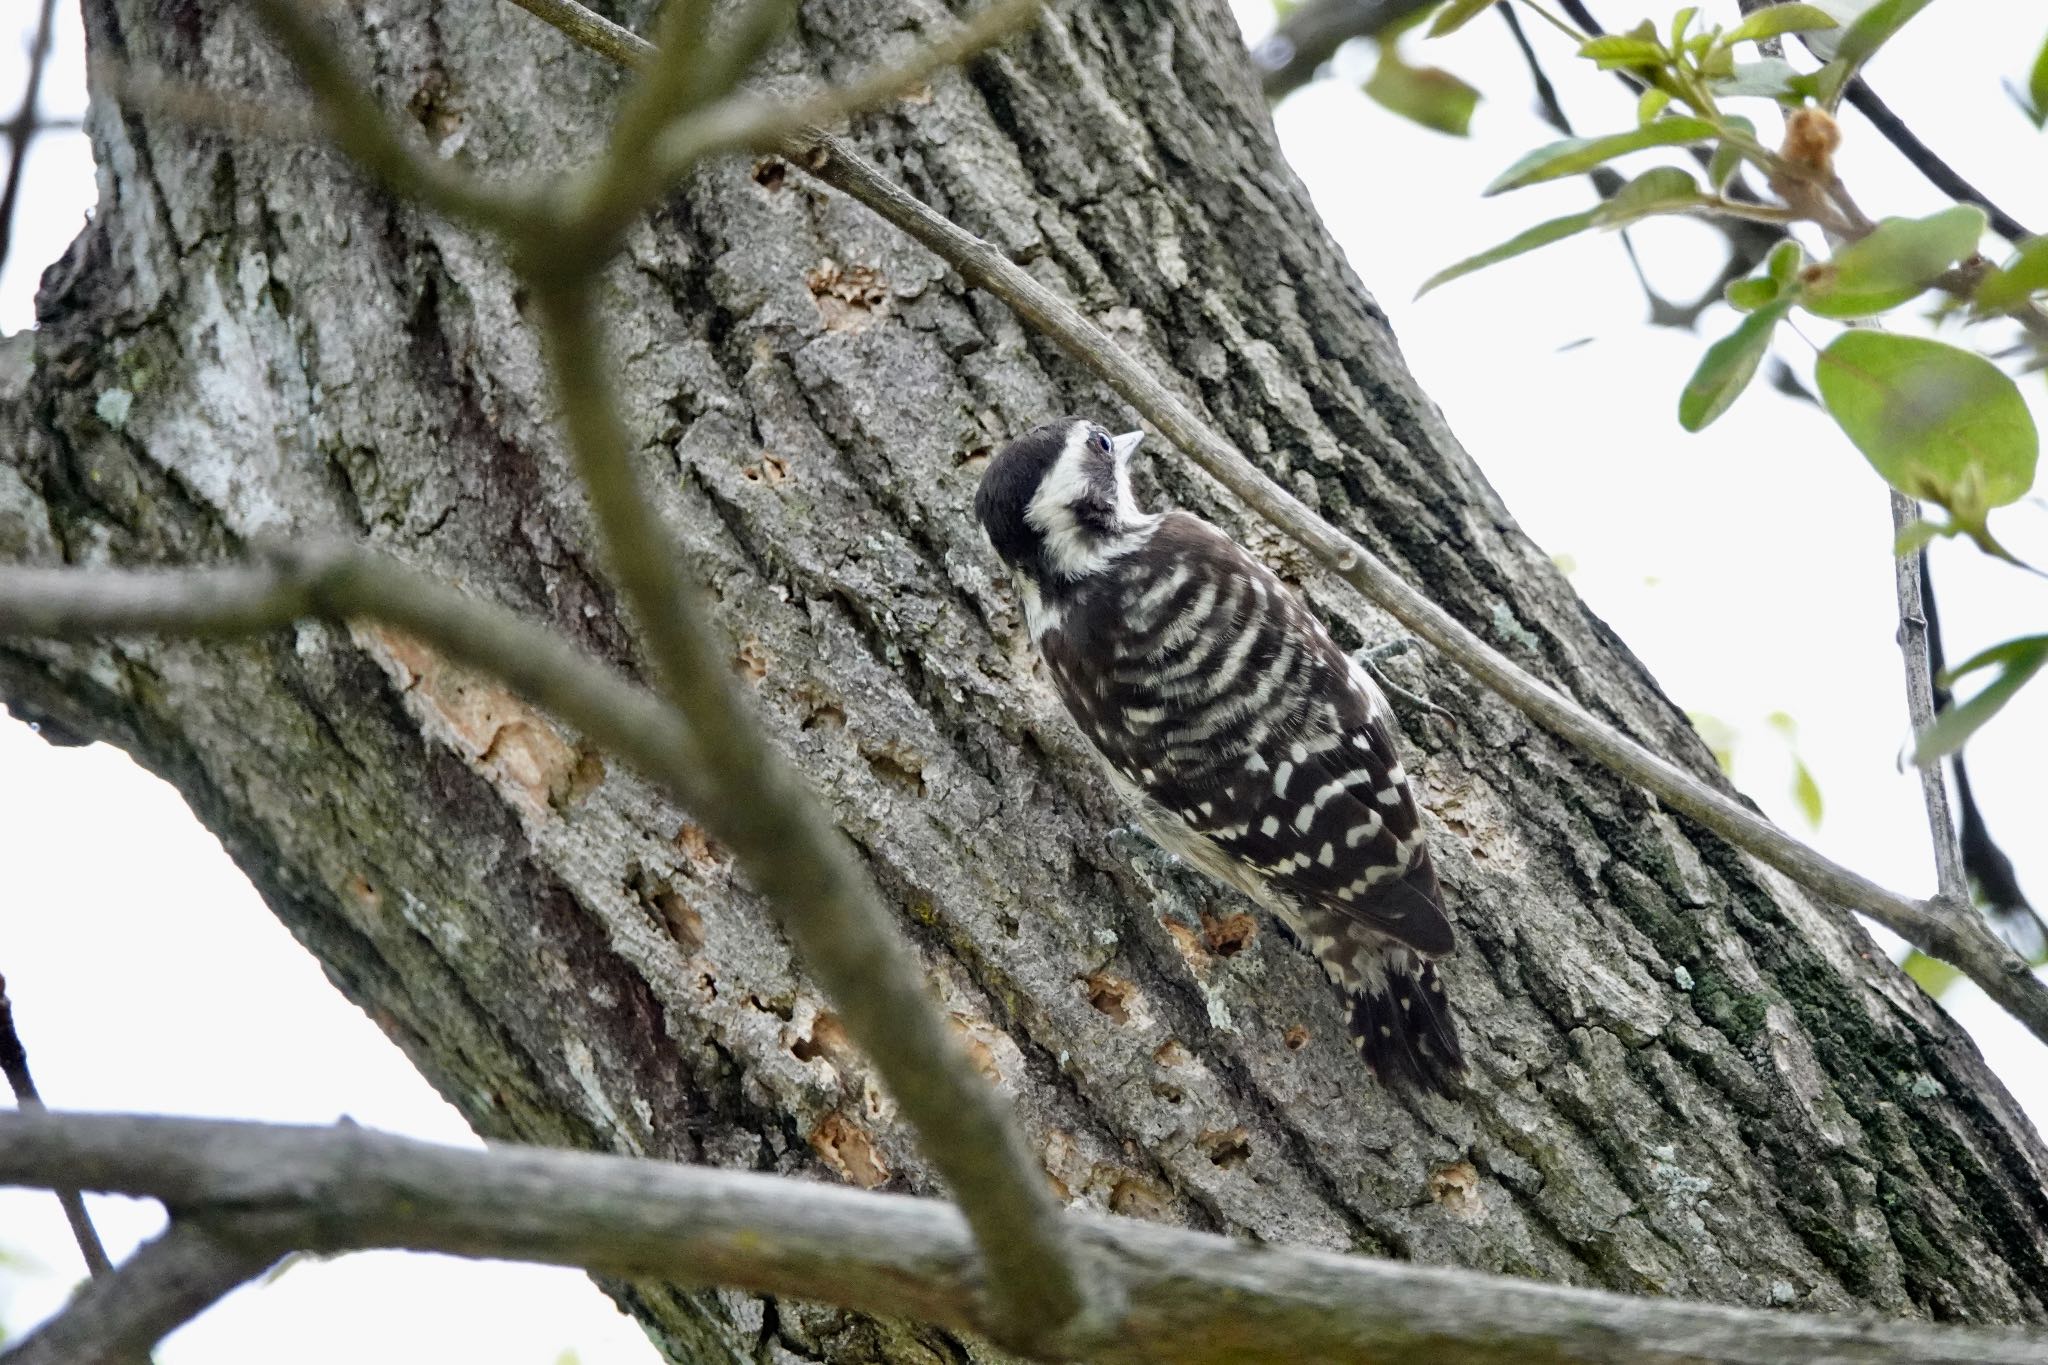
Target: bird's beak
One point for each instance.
(1126, 445)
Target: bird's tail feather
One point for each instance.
(1401, 1024)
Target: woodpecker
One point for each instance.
(1251, 745)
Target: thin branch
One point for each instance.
(748, 795)
(765, 124)
(358, 126)
(116, 1320)
(1964, 943)
(1990, 871)
(761, 808)
(14, 1065)
(1171, 1295)
(22, 128)
(1913, 643)
(745, 793)
(1938, 172)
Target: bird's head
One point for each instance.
(1057, 503)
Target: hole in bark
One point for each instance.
(825, 716)
(1170, 1053)
(828, 1039)
(973, 459)
(1228, 935)
(1172, 1094)
(770, 172)
(1456, 1188)
(1135, 1197)
(693, 843)
(849, 1151)
(1228, 1147)
(897, 767)
(781, 1009)
(1111, 995)
(660, 896)
(752, 661)
(1296, 1038)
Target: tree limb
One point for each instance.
(1173, 1295)
(1962, 941)
(118, 1318)
(748, 795)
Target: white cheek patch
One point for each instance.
(1051, 510)
(1073, 550)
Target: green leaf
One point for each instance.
(2010, 283)
(1422, 94)
(1868, 32)
(1456, 15)
(1896, 261)
(1746, 296)
(1613, 50)
(1651, 103)
(1779, 20)
(1662, 189)
(1719, 737)
(1784, 261)
(1682, 21)
(2017, 661)
(1937, 422)
(1917, 535)
(1931, 974)
(1722, 166)
(2037, 87)
(1806, 791)
(1768, 77)
(1728, 366)
(1543, 234)
(1576, 154)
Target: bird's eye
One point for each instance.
(1099, 443)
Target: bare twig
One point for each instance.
(14, 1065)
(745, 793)
(760, 806)
(1171, 1295)
(1920, 707)
(1966, 944)
(1990, 871)
(117, 1319)
(741, 787)
(360, 129)
(23, 127)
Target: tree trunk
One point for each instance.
(1688, 1077)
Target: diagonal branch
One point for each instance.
(118, 1318)
(1169, 1295)
(14, 1065)
(1963, 942)
(748, 795)
(757, 806)
(23, 127)
(1914, 643)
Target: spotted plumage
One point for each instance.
(1251, 744)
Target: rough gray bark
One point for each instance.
(1689, 1079)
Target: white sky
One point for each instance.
(1748, 567)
